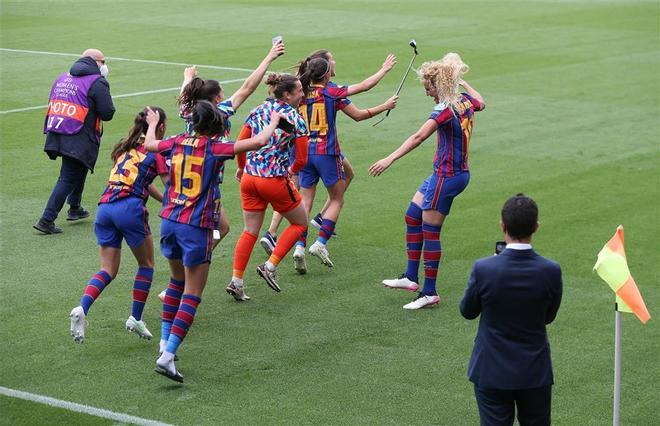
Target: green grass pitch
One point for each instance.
(573, 95)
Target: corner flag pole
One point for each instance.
(617, 365)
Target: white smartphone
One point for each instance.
(277, 39)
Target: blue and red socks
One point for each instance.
(326, 232)
(432, 255)
(95, 286)
(303, 240)
(141, 287)
(170, 307)
(414, 241)
(182, 321)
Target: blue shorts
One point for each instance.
(439, 192)
(191, 244)
(125, 218)
(328, 168)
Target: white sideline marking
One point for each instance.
(125, 95)
(114, 58)
(80, 408)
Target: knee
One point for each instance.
(147, 263)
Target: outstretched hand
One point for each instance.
(278, 49)
(190, 72)
(391, 102)
(379, 167)
(389, 63)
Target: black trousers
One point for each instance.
(499, 406)
(69, 185)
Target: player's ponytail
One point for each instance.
(135, 135)
(315, 70)
(278, 84)
(208, 120)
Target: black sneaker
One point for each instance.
(77, 213)
(269, 276)
(47, 227)
(176, 376)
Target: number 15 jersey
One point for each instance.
(192, 194)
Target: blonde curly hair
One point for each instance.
(444, 75)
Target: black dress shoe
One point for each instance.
(77, 213)
(47, 227)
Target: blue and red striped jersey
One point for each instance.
(454, 131)
(319, 110)
(132, 174)
(225, 106)
(192, 193)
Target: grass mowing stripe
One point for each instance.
(114, 58)
(125, 95)
(79, 408)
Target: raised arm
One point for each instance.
(408, 145)
(150, 140)
(363, 114)
(261, 138)
(252, 82)
(370, 82)
(188, 74)
(473, 93)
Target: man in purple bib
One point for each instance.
(79, 101)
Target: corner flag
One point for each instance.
(612, 267)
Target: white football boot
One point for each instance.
(318, 250)
(402, 283)
(299, 260)
(78, 324)
(423, 301)
(138, 327)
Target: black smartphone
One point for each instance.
(500, 246)
(285, 126)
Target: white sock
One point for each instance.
(163, 344)
(270, 266)
(237, 281)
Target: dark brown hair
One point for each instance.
(139, 128)
(207, 119)
(280, 83)
(198, 90)
(315, 69)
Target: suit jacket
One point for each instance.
(517, 293)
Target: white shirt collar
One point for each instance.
(519, 246)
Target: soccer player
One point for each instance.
(319, 109)
(194, 89)
(265, 180)
(269, 238)
(122, 214)
(452, 120)
(189, 202)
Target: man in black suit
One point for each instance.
(517, 293)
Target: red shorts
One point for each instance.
(257, 192)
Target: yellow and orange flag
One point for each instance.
(612, 267)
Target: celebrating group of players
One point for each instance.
(286, 145)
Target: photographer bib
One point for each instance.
(68, 105)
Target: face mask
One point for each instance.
(104, 70)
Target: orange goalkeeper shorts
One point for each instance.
(257, 192)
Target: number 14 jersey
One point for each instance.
(319, 110)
